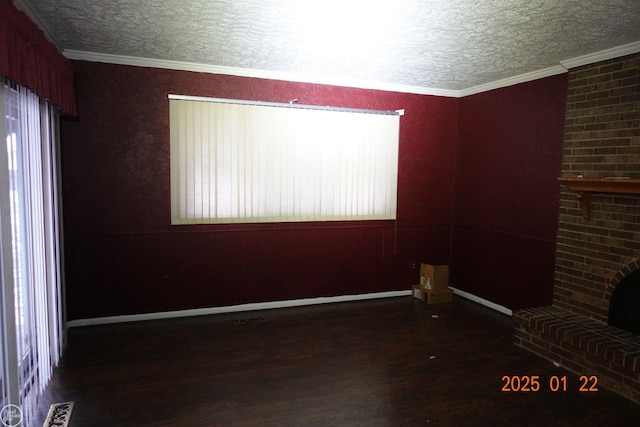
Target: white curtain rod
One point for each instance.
(291, 104)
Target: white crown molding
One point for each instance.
(603, 55)
(510, 81)
(354, 83)
(262, 74)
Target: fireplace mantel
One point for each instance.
(586, 186)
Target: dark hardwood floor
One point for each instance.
(384, 362)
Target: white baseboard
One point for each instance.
(482, 301)
(232, 308)
(267, 306)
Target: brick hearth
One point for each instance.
(583, 345)
(602, 139)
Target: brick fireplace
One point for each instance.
(595, 251)
(624, 307)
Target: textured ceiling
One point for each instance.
(444, 44)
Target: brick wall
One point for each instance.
(602, 139)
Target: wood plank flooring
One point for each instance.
(390, 362)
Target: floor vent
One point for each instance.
(245, 321)
(59, 415)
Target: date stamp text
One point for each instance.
(534, 383)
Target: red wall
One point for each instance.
(477, 190)
(507, 196)
(123, 257)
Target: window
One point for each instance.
(237, 162)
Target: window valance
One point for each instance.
(30, 60)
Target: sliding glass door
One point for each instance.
(32, 317)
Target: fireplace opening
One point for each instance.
(624, 308)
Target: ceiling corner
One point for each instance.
(25, 7)
(603, 55)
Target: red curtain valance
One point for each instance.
(30, 60)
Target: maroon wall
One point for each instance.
(123, 256)
(507, 195)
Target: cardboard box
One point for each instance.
(417, 292)
(434, 277)
(431, 297)
(438, 297)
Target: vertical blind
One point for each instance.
(234, 162)
(31, 259)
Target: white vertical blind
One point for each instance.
(32, 278)
(234, 162)
(8, 354)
